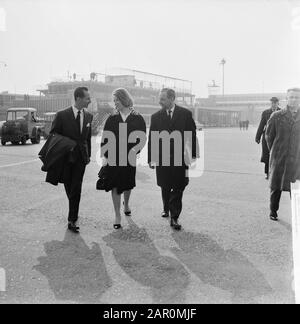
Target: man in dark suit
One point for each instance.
(260, 134)
(75, 123)
(172, 157)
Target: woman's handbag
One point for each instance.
(102, 181)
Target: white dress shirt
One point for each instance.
(172, 111)
(75, 111)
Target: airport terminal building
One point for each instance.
(250, 105)
(213, 111)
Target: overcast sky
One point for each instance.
(43, 39)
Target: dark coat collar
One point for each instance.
(163, 111)
(72, 119)
(277, 109)
(132, 112)
(175, 116)
(286, 112)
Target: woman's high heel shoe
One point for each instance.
(127, 213)
(117, 226)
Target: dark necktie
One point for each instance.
(170, 114)
(78, 121)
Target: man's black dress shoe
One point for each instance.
(164, 214)
(117, 226)
(73, 228)
(273, 216)
(175, 224)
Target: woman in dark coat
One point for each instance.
(121, 171)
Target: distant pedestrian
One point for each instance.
(243, 125)
(283, 140)
(247, 124)
(260, 134)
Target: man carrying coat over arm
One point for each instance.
(283, 139)
(172, 146)
(75, 123)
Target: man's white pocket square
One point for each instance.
(88, 125)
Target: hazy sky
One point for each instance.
(43, 39)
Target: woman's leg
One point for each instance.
(117, 204)
(126, 200)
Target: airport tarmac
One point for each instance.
(229, 251)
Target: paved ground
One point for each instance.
(228, 252)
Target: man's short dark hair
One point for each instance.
(79, 92)
(170, 93)
(293, 89)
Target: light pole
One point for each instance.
(223, 75)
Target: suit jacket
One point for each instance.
(260, 134)
(65, 125)
(182, 122)
(283, 138)
(54, 154)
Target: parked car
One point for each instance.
(21, 125)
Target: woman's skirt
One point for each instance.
(120, 177)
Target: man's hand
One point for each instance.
(151, 165)
(193, 163)
(104, 161)
(193, 160)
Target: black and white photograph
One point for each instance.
(150, 154)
